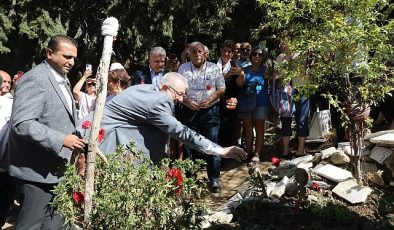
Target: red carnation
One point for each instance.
(86, 124)
(275, 161)
(315, 186)
(142, 82)
(176, 175)
(78, 197)
(209, 87)
(101, 135)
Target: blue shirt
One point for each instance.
(260, 82)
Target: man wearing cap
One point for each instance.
(151, 73)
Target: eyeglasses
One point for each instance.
(179, 94)
(91, 84)
(257, 54)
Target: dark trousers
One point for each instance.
(207, 123)
(7, 190)
(36, 212)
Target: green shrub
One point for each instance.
(134, 196)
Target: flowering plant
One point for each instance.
(131, 195)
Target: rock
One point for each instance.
(348, 151)
(332, 172)
(326, 153)
(340, 158)
(317, 158)
(373, 174)
(306, 158)
(269, 187)
(389, 163)
(380, 154)
(352, 192)
(383, 140)
(278, 173)
(311, 198)
(220, 217)
(342, 145)
(372, 135)
(280, 187)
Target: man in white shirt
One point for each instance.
(202, 110)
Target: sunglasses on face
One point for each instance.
(91, 84)
(257, 54)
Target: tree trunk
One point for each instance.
(102, 75)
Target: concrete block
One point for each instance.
(380, 154)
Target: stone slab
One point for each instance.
(380, 154)
(348, 151)
(372, 135)
(326, 153)
(352, 192)
(307, 158)
(383, 140)
(332, 172)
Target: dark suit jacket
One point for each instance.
(40, 121)
(142, 76)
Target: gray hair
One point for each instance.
(170, 77)
(157, 51)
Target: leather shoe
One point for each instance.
(215, 186)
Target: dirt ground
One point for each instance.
(376, 213)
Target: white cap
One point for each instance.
(116, 65)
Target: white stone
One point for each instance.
(306, 158)
(305, 165)
(372, 135)
(340, 158)
(326, 153)
(311, 198)
(352, 192)
(380, 154)
(220, 217)
(270, 187)
(332, 172)
(280, 187)
(383, 140)
(348, 151)
(342, 145)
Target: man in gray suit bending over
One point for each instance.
(144, 113)
(41, 139)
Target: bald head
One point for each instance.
(174, 85)
(6, 84)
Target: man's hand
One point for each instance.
(191, 104)
(73, 142)
(233, 152)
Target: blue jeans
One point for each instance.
(207, 123)
(301, 117)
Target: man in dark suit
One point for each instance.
(41, 139)
(154, 71)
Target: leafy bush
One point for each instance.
(130, 195)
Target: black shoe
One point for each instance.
(215, 187)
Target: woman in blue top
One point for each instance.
(253, 78)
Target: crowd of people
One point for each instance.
(179, 106)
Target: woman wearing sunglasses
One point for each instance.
(85, 100)
(253, 82)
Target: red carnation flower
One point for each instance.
(78, 197)
(101, 135)
(275, 161)
(175, 174)
(142, 82)
(209, 87)
(315, 186)
(86, 124)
